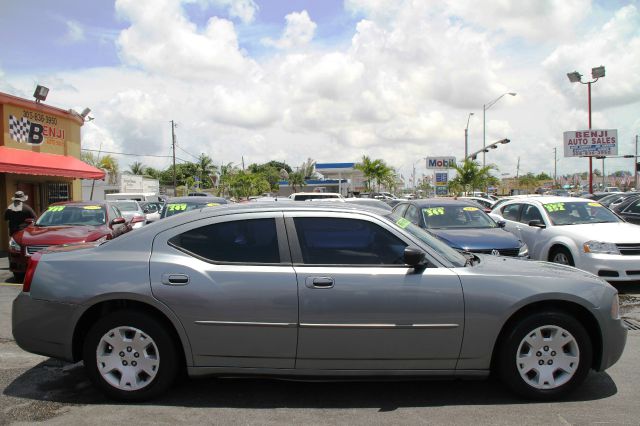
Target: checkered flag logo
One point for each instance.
(19, 129)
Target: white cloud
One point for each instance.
(297, 33)
(75, 32)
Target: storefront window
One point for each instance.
(57, 192)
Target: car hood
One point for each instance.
(478, 239)
(510, 266)
(621, 232)
(52, 235)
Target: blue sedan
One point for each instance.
(462, 225)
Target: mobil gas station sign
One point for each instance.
(441, 163)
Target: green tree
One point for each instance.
(136, 168)
(543, 176)
(470, 176)
(296, 179)
(89, 158)
(528, 181)
(205, 169)
(367, 167)
(110, 165)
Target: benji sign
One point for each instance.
(441, 162)
(587, 143)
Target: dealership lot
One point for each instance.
(36, 388)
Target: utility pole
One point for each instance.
(173, 146)
(635, 167)
(555, 167)
(518, 175)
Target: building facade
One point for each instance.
(39, 155)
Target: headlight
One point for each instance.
(524, 250)
(600, 247)
(13, 246)
(615, 307)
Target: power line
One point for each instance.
(134, 155)
(188, 153)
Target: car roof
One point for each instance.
(196, 200)
(439, 202)
(81, 203)
(547, 199)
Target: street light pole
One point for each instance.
(485, 107)
(466, 137)
(576, 77)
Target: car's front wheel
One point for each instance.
(130, 356)
(545, 356)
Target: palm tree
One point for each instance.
(110, 165)
(308, 169)
(136, 168)
(471, 176)
(226, 171)
(296, 179)
(367, 168)
(205, 168)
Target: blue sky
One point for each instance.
(330, 80)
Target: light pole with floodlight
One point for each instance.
(576, 77)
(485, 107)
(466, 137)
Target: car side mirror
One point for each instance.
(414, 257)
(146, 211)
(537, 223)
(118, 221)
(29, 221)
(501, 223)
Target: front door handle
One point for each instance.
(319, 282)
(175, 279)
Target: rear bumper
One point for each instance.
(43, 327)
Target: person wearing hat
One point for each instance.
(18, 212)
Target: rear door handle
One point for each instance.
(175, 279)
(319, 282)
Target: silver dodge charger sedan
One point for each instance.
(311, 290)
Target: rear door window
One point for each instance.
(512, 212)
(239, 241)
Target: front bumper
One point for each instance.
(611, 267)
(614, 339)
(42, 327)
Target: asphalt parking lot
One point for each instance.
(36, 388)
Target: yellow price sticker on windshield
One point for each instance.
(470, 209)
(55, 208)
(212, 204)
(434, 211)
(554, 207)
(594, 204)
(177, 207)
(402, 222)
(91, 207)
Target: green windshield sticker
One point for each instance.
(55, 208)
(434, 211)
(595, 204)
(470, 209)
(92, 207)
(177, 207)
(212, 204)
(554, 207)
(402, 222)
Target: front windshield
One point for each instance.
(73, 215)
(456, 216)
(579, 213)
(127, 206)
(175, 208)
(452, 255)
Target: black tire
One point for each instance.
(168, 358)
(560, 252)
(510, 351)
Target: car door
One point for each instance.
(230, 281)
(535, 237)
(361, 307)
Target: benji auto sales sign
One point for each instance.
(585, 143)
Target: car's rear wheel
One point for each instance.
(545, 356)
(130, 356)
(562, 256)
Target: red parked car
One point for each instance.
(65, 223)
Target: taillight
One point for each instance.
(31, 269)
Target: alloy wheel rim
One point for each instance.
(127, 358)
(561, 258)
(548, 357)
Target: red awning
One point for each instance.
(38, 163)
